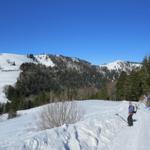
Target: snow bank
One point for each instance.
(89, 134)
(100, 129)
(95, 131)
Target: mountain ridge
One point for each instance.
(45, 59)
(10, 68)
(121, 65)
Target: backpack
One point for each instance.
(131, 109)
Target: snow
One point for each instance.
(136, 137)
(114, 65)
(45, 60)
(100, 129)
(7, 60)
(10, 69)
(7, 78)
(75, 59)
(121, 65)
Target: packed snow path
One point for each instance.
(136, 137)
(100, 129)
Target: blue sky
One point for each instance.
(99, 31)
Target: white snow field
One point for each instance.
(100, 129)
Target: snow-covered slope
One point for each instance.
(100, 129)
(120, 65)
(7, 78)
(45, 60)
(12, 62)
(9, 69)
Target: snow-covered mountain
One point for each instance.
(120, 66)
(10, 67)
(12, 62)
(100, 129)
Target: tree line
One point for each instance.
(38, 85)
(136, 84)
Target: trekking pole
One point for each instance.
(121, 117)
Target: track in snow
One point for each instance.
(135, 137)
(100, 129)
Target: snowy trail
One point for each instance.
(100, 129)
(136, 137)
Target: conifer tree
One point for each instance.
(120, 86)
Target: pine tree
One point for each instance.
(146, 75)
(102, 94)
(135, 87)
(120, 86)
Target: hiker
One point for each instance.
(131, 111)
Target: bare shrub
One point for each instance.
(60, 113)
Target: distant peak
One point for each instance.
(121, 65)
